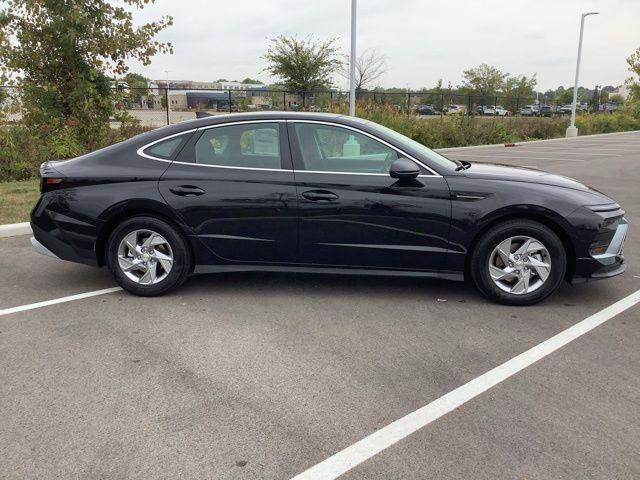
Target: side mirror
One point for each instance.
(404, 169)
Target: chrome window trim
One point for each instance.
(141, 150)
(193, 164)
(349, 127)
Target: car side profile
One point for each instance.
(311, 192)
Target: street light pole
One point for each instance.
(352, 62)
(572, 131)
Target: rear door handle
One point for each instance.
(187, 191)
(320, 195)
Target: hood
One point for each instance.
(492, 171)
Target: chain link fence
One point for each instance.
(155, 107)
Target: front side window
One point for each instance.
(254, 145)
(326, 148)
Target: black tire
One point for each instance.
(479, 265)
(181, 256)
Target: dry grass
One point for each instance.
(17, 199)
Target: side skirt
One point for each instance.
(325, 270)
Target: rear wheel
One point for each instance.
(518, 262)
(148, 256)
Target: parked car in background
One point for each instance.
(426, 110)
(311, 192)
(501, 111)
(529, 111)
(566, 108)
(456, 109)
(486, 110)
(546, 111)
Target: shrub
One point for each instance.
(23, 149)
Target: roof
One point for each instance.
(239, 117)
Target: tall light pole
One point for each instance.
(572, 131)
(167, 93)
(352, 62)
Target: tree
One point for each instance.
(64, 54)
(369, 67)
(484, 80)
(634, 66)
(251, 81)
(302, 65)
(139, 86)
(520, 86)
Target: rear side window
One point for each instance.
(165, 148)
(254, 145)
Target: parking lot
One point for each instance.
(264, 376)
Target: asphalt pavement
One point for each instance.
(263, 376)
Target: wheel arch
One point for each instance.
(546, 217)
(116, 214)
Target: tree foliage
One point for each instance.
(253, 81)
(487, 81)
(484, 80)
(634, 85)
(63, 53)
(302, 64)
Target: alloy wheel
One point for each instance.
(520, 265)
(145, 257)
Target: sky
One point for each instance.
(423, 40)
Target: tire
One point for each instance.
(168, 242)
(489, 262)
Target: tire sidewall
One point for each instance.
(181, 256)
(493, 237)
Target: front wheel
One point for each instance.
(519, 262)
(148, 256)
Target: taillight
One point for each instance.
(48, 184)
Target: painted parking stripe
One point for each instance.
(70, 298)
(379, 440)
(507, 157)
(565, 152)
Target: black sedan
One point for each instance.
(301, 192)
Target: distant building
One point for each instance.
(242, 86)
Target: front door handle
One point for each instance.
(320, 195)
(187, 191)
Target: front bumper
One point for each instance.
(607, 264)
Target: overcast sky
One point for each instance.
(424, 40)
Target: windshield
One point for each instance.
(411, 145)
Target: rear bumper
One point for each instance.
(41, 249)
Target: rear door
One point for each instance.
(353, 214)
(233, 185)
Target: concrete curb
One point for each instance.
(548, 140)
(15, 229)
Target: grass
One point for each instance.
(17, 199)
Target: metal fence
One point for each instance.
(155, 107)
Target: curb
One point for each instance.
(15, 229)
(595, 135)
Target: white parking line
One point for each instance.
(507, 157)
(567, 152)
(46, 303)
(597, 148)
(378, 441)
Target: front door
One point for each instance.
(353, 214)
(233, 185)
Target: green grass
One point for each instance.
(17, 199)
